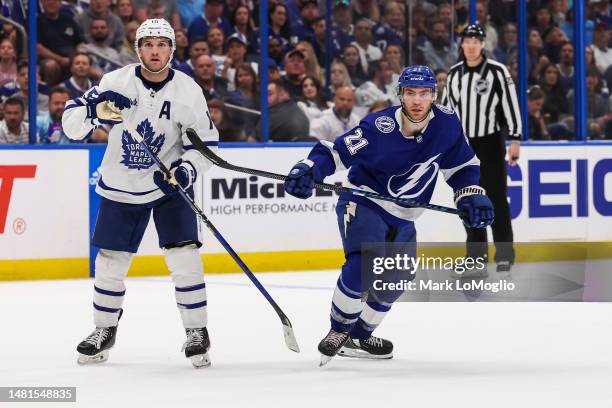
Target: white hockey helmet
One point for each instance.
(155, 27)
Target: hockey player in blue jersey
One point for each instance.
(398, 151)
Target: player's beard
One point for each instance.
(157, 71)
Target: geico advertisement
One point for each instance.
(556, 193)
(44, 206)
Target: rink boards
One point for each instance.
(560, 192)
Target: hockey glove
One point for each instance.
(477, 210)
(106, 106)
(301, 179)
(183, 173)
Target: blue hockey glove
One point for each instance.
(106, 106)
(183, 172)
(478, 210)
(301, 179)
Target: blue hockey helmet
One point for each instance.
(416, 76)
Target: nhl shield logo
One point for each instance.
(385, 124)
(419, 138)
(481, 86)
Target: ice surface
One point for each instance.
(446, 354)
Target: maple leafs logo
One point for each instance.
(134, 156)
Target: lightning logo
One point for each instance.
(417, 178)
(351, 209)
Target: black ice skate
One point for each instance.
(373, 348)
(330, 345)
(196, 347)
(95, 348)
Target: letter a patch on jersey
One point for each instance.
(165, 110)
(134, 156)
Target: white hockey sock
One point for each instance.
(185, 266)
(111, 268)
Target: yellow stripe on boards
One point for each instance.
(280, 261)
(27, 269)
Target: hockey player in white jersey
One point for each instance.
(160, 104)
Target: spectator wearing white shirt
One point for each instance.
(337, 120)
(363, 41)
(313, 101)
(601, 52)
(381, 87)
(13, 129)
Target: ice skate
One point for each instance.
(504, 266)
(95, 348)
(196, 347)
(330, 345)
(373, 348)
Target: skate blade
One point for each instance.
(324, 360)
(200, 360)
(353, 353)
(95, 359)
(290, 339)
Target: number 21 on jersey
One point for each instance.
(355, 141)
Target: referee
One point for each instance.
(483, 94)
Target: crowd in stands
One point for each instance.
(217, 43)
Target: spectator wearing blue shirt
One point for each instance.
(212, 17)
(279, 27)
(189, 10)
(197, 47)
(390, 30)
(79, 82)
(309, 13)
(49, 124)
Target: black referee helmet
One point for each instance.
(474, 31)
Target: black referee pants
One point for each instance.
(491, 151)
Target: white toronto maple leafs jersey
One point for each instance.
(161, 113)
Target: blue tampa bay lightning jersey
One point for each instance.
(381, 159)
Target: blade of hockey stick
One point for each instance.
(215, 159)
(288, 333)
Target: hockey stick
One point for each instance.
(290, 339)
(215, 159)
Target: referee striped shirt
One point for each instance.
(484, 97)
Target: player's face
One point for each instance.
(155, 53)
(472, 48)
(417, 102)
